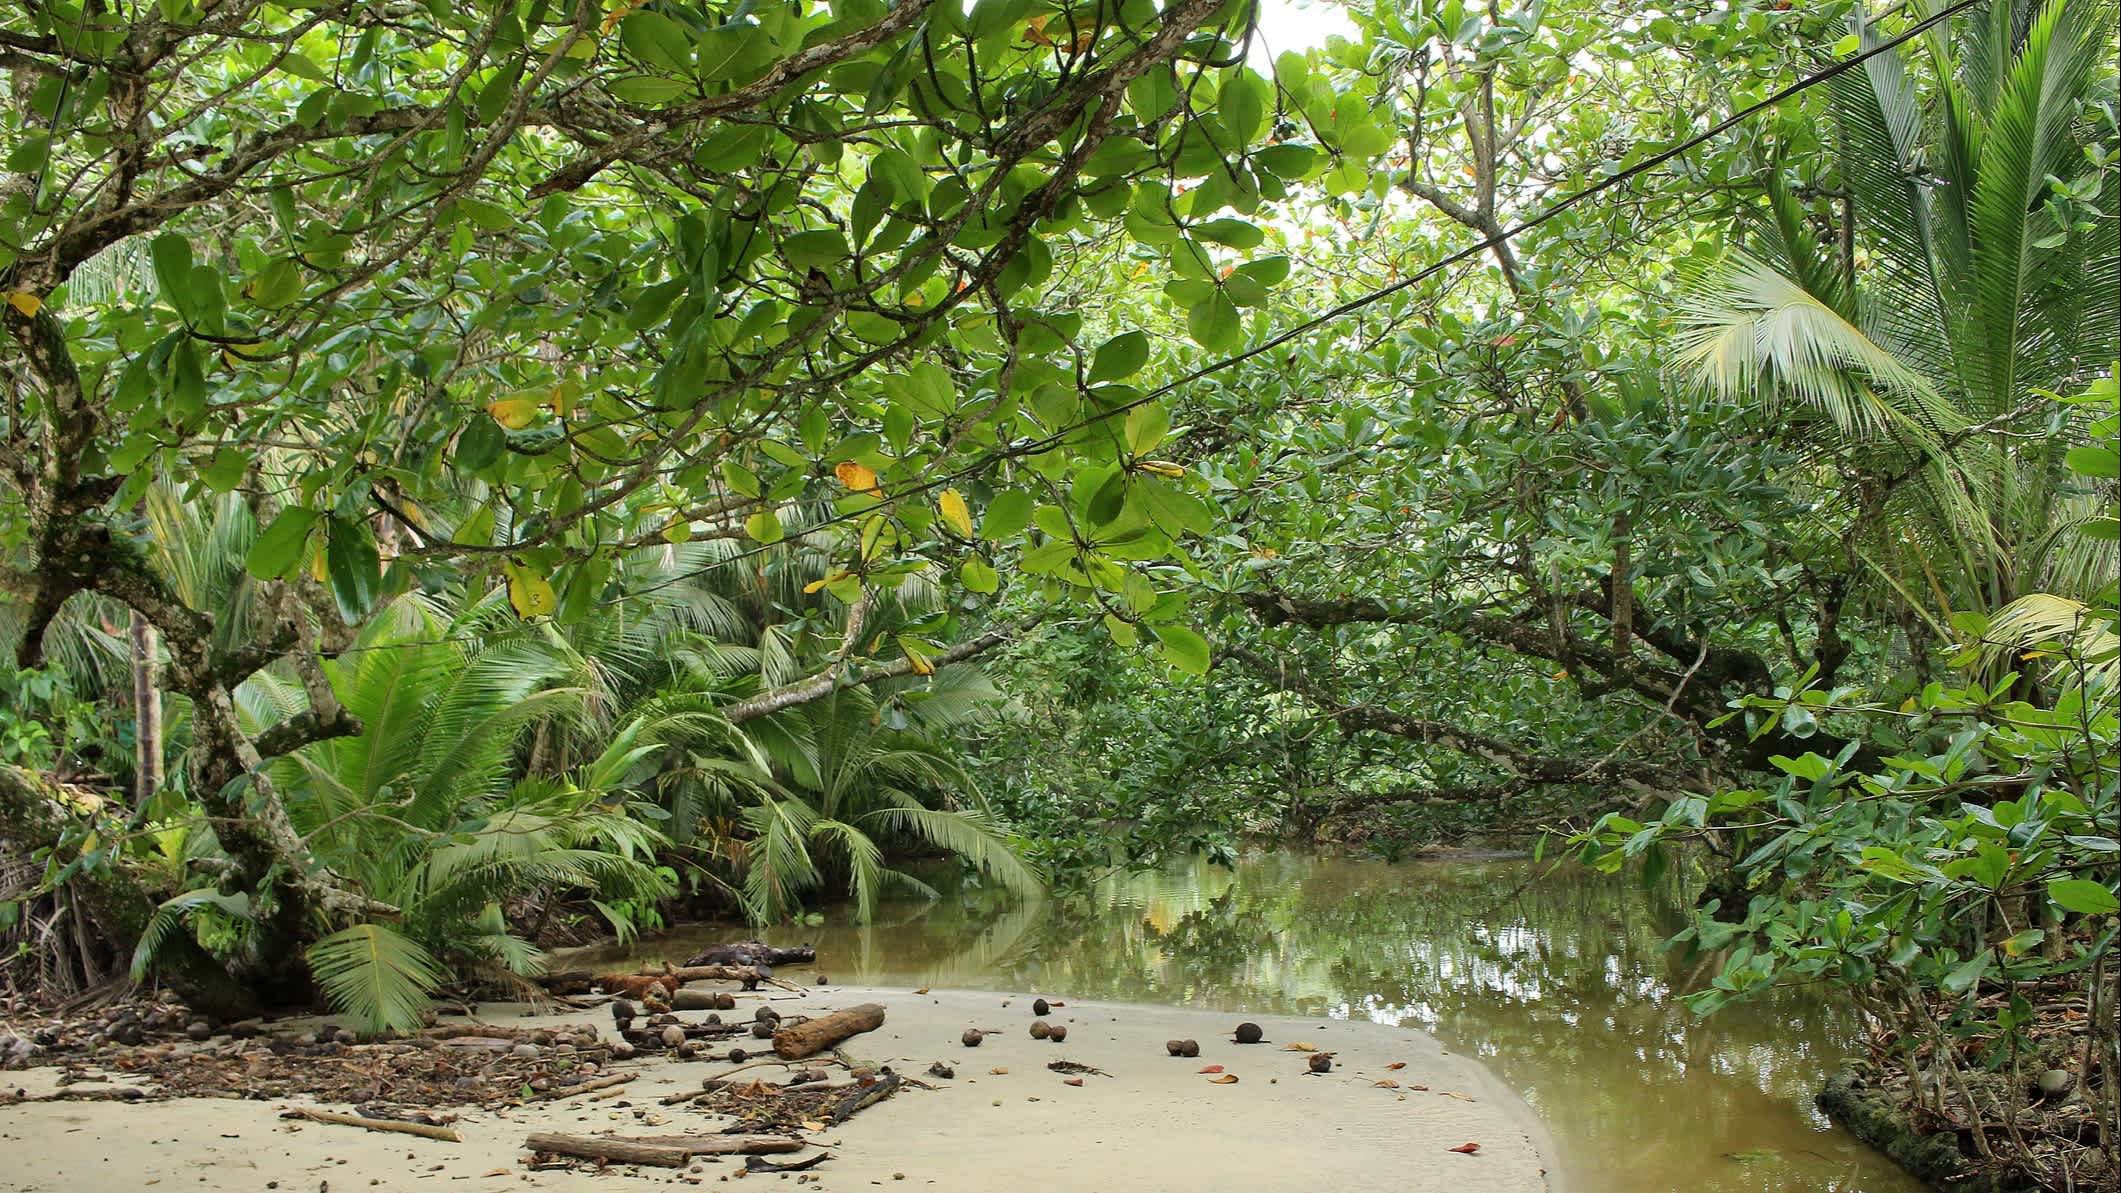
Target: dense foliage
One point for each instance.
(481, 475)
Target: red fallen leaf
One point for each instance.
(1056, 1004)
(1464, 1149)
(1211, 1068)
(1073, 1081)
(1397, 1064)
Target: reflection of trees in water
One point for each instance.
(1558, 981)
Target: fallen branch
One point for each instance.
(661, 1151)
(390, 1125)
(586, 1086)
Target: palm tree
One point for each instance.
(429, 811)
(1976, 275)
(836, 779)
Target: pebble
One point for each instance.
(2055, 1082)
(524, 1051)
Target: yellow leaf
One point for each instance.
(1300, 1046)
(513, 413)
(918, 657)
(1035, 30)
(1163, 468)
(25, 302)
(1223, 1079)
(812, 1125)
(530, 593)
(859, 477)
(816, 585)
(952, 504)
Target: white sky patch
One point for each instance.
(1297, 25)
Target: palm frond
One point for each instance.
(376, 975)
(968, 835)
(2082, 640)
(1750, 333)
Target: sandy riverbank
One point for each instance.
(1155, 1124)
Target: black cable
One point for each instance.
(1052, 439)
(1360, 302)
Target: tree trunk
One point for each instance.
(32, 818)
(147, 714)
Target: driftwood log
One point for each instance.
(811, 1036)
(752, 952)
(660, 1151)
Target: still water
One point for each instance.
(1555, 978)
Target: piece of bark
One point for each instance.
(390, 1125)
(799, 1040)
(861, 1099)
(662, 1151)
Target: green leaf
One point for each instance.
(2094, 461)
(171, 255)
(1243, 105)
(279, 547)
(763, 527)
(1216, 324)
(1967, 973)
(351, 563)
(1007, 514)
(978, 576)
(657, 40)
(1236, 233)
(1182, 648)
(647, 90)
(225, 471)
(2083, 896)
(1119, 357)
(806, 250)
(480, 444)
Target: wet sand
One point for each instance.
(1155, 1124)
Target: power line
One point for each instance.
(1341, 311)
(1559, 207)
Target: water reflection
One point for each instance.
(1555, 979)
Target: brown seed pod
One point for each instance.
(1059, 1033)
(972, 1037)
(1321, 1062)
(1175, 1047)
(1040, 1029)
(1250, 1033)
(1192, 1048)
(1041, 1007)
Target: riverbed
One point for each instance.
(1554, 978)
